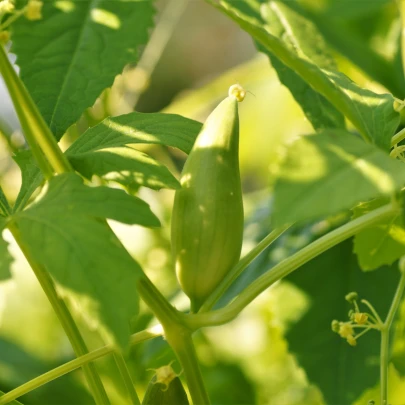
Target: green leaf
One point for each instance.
(103, 149)
(156, 129)
(5, 258)
(31, 177)
(352, 9)
(341, 372)
(63, 232)
(125, 165)
(372, 114)
(382, 243)
(297, 32)
(75, 51)
(4, 206)
(328, 172)
(19, 366)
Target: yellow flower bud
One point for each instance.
(4, 37)
(345, 330)
(360, 318)
(351, 340)
(33, 11)
(6, 6)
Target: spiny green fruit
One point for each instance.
(207, 220)
(165, 388)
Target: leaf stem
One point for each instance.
(36, 131)
(126, 376)
(158, 40)
(240, 266)
(75, 364)
(65, 318)
(287, 266)
(401, 5)
(398, 137)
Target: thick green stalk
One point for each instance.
(179, 338)
(34, 127)
(75, 364)
(65, 318)
(235, 272)
(126, 376)
(286, 267)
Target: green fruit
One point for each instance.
(207, 221)
(169, 391)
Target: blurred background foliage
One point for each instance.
(249, 360)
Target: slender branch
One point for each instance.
(126, 376)
(385, 334)
(157, 43)
(75, 364)
(65, 318)
(34, 127)
(240, 266)
(397, 138)
(286, 267)
(401, 5)
(384, 356)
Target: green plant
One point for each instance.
(340, 185)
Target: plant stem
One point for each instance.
(385, 334)
(153, 51)
(384, 355)
(397, 138)
(179, 338)
(36, 131)
(240, 266)
(401, 5)
(286, 267)
(126, 376)
(182, 344)
(65, 318)
(75, 364)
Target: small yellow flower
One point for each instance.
(360, 318)
(33, 11)
(345, 330)
(4, 37)
(351, 340)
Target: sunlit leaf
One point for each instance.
(74, 52)
(156, 129)
(103, 149)
(373, 114)
(384, 242)
(300, 35)
(325, 173)
(91, 269)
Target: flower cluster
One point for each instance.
(358, 320)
